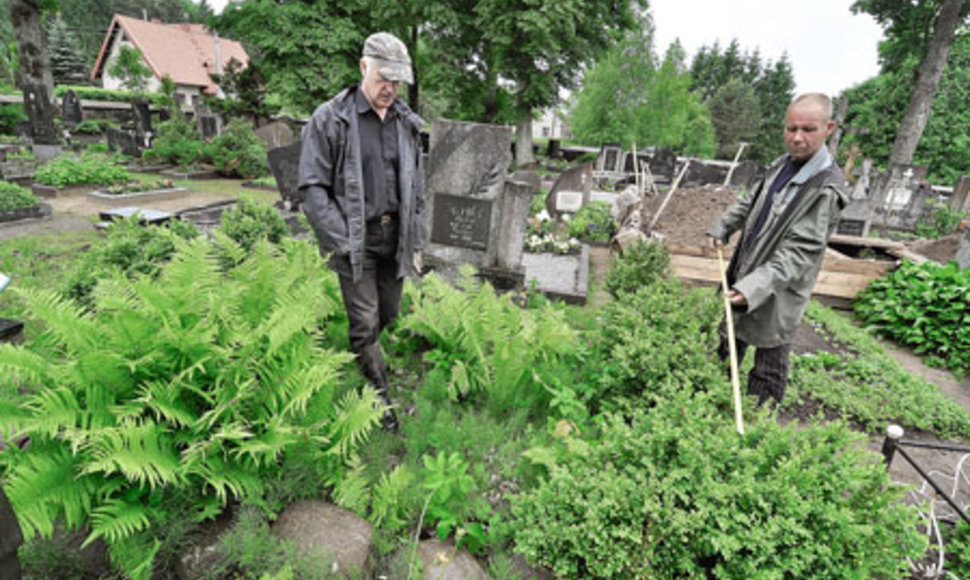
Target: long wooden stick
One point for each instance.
(732, 347)
(673, 188)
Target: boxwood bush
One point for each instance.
(13, 196)
(677, 493)
(238, 152)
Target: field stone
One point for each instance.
(205, 554)
(318, 526)
(441, 561)
(523, 570)
(963, 251)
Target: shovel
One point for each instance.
(732, 347)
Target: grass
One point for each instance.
(38, 262)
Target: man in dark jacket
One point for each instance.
(363, 185)
(785, 224)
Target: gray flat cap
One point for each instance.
(390, 55)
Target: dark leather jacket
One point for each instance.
(330, 180)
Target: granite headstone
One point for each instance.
(71, 109)
(284, 162)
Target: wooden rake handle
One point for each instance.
(732, 347)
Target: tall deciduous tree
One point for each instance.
(927, 81)
(735, 112)
(36, 80)
(543, 45)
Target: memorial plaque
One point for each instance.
(851, 227)
(569, 201)
(461, 221)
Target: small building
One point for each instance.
(551, 124)
(187, 53)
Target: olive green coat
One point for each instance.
(776, 272)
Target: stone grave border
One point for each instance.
(140, 196)
(39, 211)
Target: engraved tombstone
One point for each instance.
(275, 134)
(71, 109)
(284, 162)
(662, 164)
(577, 178)
(476, 216)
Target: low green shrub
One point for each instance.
(238, 152)
(10, 115)
(662, 335)
(178, 142)
(100, 94)
(93, 126)
(924, 306)
(250, 221)
(641, 265)
(68, 170)
(13, 196)
(867, 386)
(958, 551)
(941, 221)
(128, 248)
(677, 493)
(593, 222)
(196, 382)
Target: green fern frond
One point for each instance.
(52, 411)
(23, 367)
(388, 506)
(267, 447)
(308, 381)
(66, 323)
(135, 555)
(117, 519)
(294, 312)
(141, 451)
(43, 484)
(356, 417)
(226, 478)
(166, 401)
(353, 491)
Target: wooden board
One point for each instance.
(831, 263)
(833, 283)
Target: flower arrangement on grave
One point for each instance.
(544, 237)
(139, 186)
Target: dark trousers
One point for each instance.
(769, 377)
(374, 301)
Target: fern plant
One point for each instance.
(198, 381)
(487, 348)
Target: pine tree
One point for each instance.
(68, 64)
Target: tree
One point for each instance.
(542, 46)
(927, 80)
(68, 65)
(36, 80)
(735, 113)
(130, 67)
(245, 92)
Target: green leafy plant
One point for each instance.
(93, 126)
(676, 493)
(198, 381)
(866, 385)
(593, 222)
(13, 196)
(178, 142)
(923, 306)
(68, 170)
(249, 221)
(641, 265)
(10, 115)
(958, 551)
(100, 94)
(127, 248)
(238, 152)
(941, 221)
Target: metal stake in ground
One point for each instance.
(732, 348)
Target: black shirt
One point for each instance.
(380, 159)
(784, 176)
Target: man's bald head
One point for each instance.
(808, 124)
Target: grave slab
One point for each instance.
(563, 277)
(147, 216)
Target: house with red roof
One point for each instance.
(188, 53)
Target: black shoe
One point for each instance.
(389, 421)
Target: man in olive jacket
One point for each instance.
(785, 224)
(363, 186)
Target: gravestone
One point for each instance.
(284, 163)
(663, 163)
(209, 125)
(700, 173)
(44, 153)
(963, 251)
(476, 216)
(577, 178)
(960, 200)
(746, 174)
(554, 150)
(856, 218)
(71, 109)
(124, 141)
(275, 134)
(611, 159)
(900, 198)
(143, 120)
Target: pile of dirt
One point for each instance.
(690, 213)
(941, 250)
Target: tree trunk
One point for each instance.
(524, 159)
(927, 81)
(36, 83)
(836, 137)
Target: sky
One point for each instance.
(830, 49)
